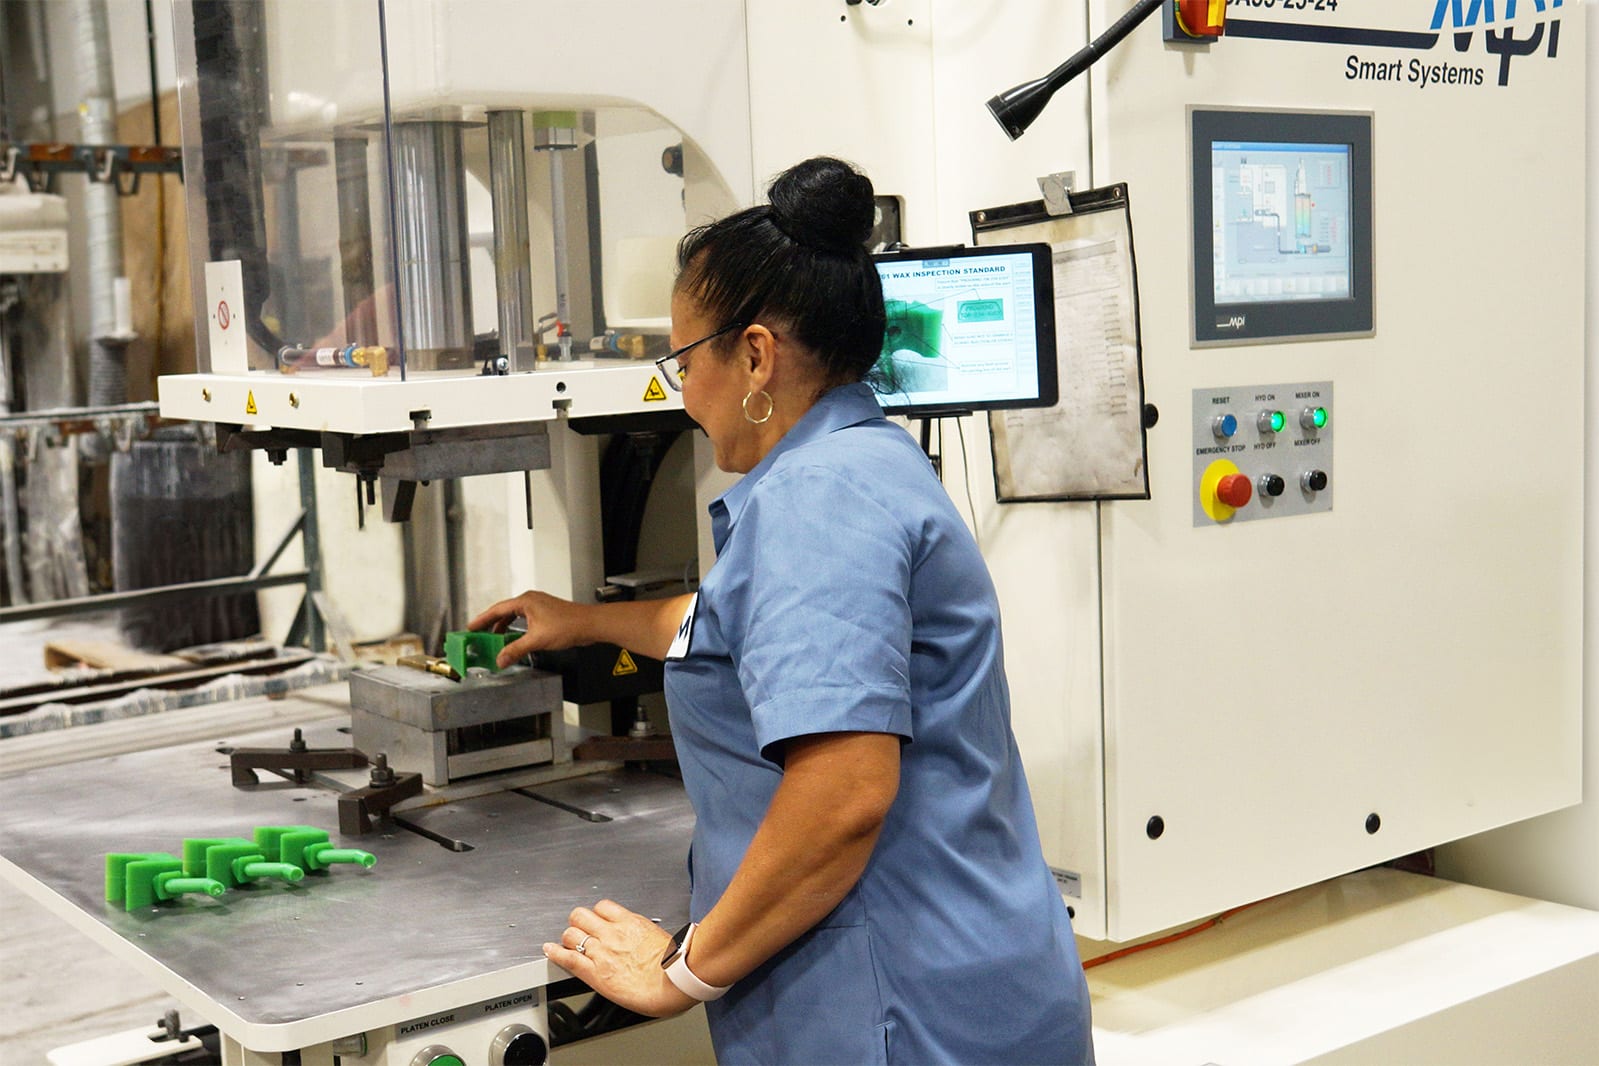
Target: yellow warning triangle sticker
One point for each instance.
(249, 403)
(653, 394)
(624, 665)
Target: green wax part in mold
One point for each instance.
(465, 649)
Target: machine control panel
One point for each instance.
(508, 1031)
(1262, 451)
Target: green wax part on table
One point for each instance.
(194, 853)
(256, 868)
(116, 871)
(321, 857)
(142, 880)
(169, 886)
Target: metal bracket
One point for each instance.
(1057, 190)
(120, 165)
(359, 806)
(293, 763)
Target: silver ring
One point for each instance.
(582, 945)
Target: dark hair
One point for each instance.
(800, 260)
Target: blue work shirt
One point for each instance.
(848, 595)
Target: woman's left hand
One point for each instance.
(620, 958)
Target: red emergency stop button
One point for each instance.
(1202, 18)
(1234, 490)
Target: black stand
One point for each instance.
(927, 418)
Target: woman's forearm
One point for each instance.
(810, 850)
(646, 627)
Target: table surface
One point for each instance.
(449, 916)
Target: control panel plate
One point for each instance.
(1233, 436)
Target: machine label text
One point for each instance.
(425, 1023)
(1453, 25)
(1415, 72)
(521, 999)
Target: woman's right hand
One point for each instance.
(552, 624)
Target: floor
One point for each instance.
(79, 993)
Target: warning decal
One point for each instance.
(624, 665)
(249, 403)
(654, 392)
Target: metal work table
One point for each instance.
(437, 923)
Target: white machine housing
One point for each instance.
(1298, 698)
(1263, 688)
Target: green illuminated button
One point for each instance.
(1271, 421)
(1313, 418)
(436, 1055)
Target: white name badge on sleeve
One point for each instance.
(685, 631)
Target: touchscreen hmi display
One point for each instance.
(1280, 214)
(968, 329)
(1282, 219)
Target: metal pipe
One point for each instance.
(222, 586)
(108, 372)
(455, 551)
(311, 540)
(155, 90)
(555, 132)
(8, 484)
(563, 302)
(432, 243)
(69, 419)
(355, 239)
(513, 269)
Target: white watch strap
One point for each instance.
(681, 976)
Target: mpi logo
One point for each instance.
(1235, 322)
(1465, 16)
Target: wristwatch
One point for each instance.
(676, 966)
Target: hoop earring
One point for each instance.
(751, 418)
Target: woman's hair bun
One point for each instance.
(824, 203)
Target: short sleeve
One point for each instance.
(822, 642)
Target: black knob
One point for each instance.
(1373, 822)
(672, 160)
(1155, 827)
(1314, 480)
(526, 1049)
(1272, 485)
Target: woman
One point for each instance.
(868, 884)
